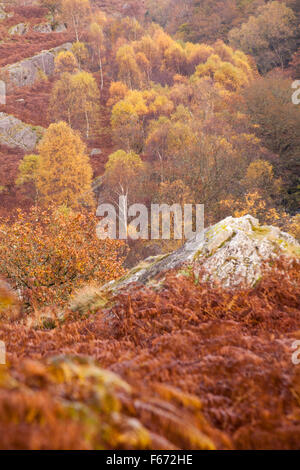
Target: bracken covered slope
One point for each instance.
(217, 361)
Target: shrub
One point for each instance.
(47, 254)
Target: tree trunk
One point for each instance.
(87, 124)
(100, 67)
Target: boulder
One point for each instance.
(95, 152)
(19, 29)
(27, 71)
(15, 133)
(231, 253)
(42, 28)
(59, 28)
(3, 13)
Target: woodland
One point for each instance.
(163, 101)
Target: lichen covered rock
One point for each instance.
(28, 71)
(231, 253)
(42, 28)
(15, 133)
(59, 27)
(19, 29)
(3, 13)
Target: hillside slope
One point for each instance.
(217, 361)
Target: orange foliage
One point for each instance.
(188, 346)
(48, 254)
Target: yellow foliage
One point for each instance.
(80, 51)
(122, 169)
(74, 99)
(254, 204)
(65, 61)
(294, 226)
(259, 175)
(117, 92)
(129, 71)
(61, 147)
(76, 13)
(27, 169)
(228, 68)
(198, 53)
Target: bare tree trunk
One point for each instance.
(87, 124)
(100, 67)
(69, 117)
(161, 168)
(75, 28)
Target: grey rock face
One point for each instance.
(19, 29)
(59, 28)
(2, 92)
(27, 71)
(231, 253)
(15, 133)
(42, 28)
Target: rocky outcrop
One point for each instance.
(59, 27)
(27, 71)
(3, 13)
(42, 28)
(49, 28)
(15, 133)
(19, 29)
(230, 253)
(95, 152)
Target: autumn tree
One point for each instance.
(117, 92)
(65, 61)
(148, 57)
(80, 52)
(277, 121)
(269, 35)
(127, 28)
(76, 13)
(75, 98)
(295, 65)
(131, 115)
(197, 21)
(27, 172)
(64, 174)
(86, 97)
(174, 192)
(129, 71)
(47, 254)
(28, 169)
(255, 204)
(52, 5)
(169, 142)
(127, 129)
(62, 99)
(260, 177)
(97, 40)
(123, 174)
(227, 68)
